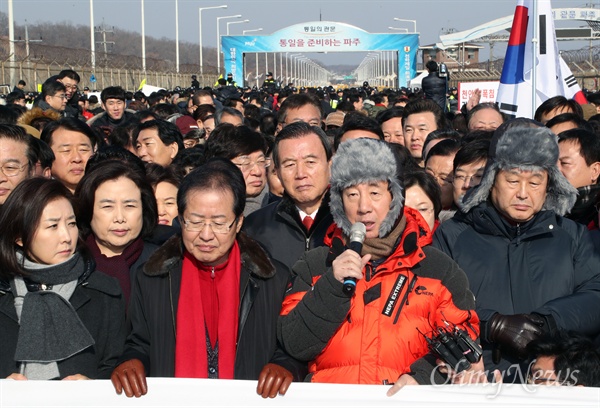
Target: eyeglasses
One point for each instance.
(73, 88)
(11, 170)
(216, 227)
(463, 178)
(247, 164)
(61, 96)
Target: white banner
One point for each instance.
(169, 392)
(489, 91)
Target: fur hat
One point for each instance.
(362, 161)
(525, 149)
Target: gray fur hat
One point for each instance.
(362, 161)
(525, 149)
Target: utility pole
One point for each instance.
(103, 30)
(27, 41)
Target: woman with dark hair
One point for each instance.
(205, 116)
(59, 317)
(424, 195)
(165, 182)
(116, 210)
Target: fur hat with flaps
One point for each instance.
(525, 149)
(364, 161)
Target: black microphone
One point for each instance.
(357, 236)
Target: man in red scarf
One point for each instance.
(205, 305)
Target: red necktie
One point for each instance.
(308, 222)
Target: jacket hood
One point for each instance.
(253, 256)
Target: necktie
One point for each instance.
(307, 222)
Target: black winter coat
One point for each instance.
(547, 266)
(278, 228)
(100, 305)
(155, 298)
(434, 88)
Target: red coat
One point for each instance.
(374, 336)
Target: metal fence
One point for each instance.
(584, 63)
(36, 62)
(43, 61)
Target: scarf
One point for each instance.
(584, 210)
(50, 329)
(381, 248)
(117, 266)
(220, 324)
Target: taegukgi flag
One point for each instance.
(553, 76)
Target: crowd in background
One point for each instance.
(506, 208)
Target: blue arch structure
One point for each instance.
(322, 36)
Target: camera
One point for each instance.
(442, 70)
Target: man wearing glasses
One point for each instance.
(246, 149)
(17, 159)
(53, 97)
(70, 79)
(206, 303)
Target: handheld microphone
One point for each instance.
(357, 236)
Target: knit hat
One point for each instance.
(335, 119)
(360, 161)
(525, 149)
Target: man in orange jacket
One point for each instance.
(405, 289)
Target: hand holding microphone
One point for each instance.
(347, 267)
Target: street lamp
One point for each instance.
(408, 21)
(235, 22)
(294, 68)
(244, 32)
(251, 31)
(143, 40)
(219, 39)
(92, 38)
(200, 29)
(398, 29)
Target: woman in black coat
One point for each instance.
(59, 317)
(116, 209)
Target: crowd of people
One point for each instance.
(349, 235)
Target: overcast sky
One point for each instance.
(432, 16)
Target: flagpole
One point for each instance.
(534, 45)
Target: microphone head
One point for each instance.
(358, 231)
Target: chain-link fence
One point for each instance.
(584, 63)
(43, 61)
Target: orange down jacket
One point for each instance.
(375, 336)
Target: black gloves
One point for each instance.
(513, 332)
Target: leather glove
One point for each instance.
(273, 379)
(131, 377)
(514, 332)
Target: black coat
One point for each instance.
(99, 303)
(434, 88)
(155, 298)
(278, 228)
(547, 266)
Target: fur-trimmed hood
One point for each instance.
(170, 254)
(362, 161)
(525, 149)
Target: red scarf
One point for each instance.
(191, 356)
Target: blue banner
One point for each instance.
(322, 36)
